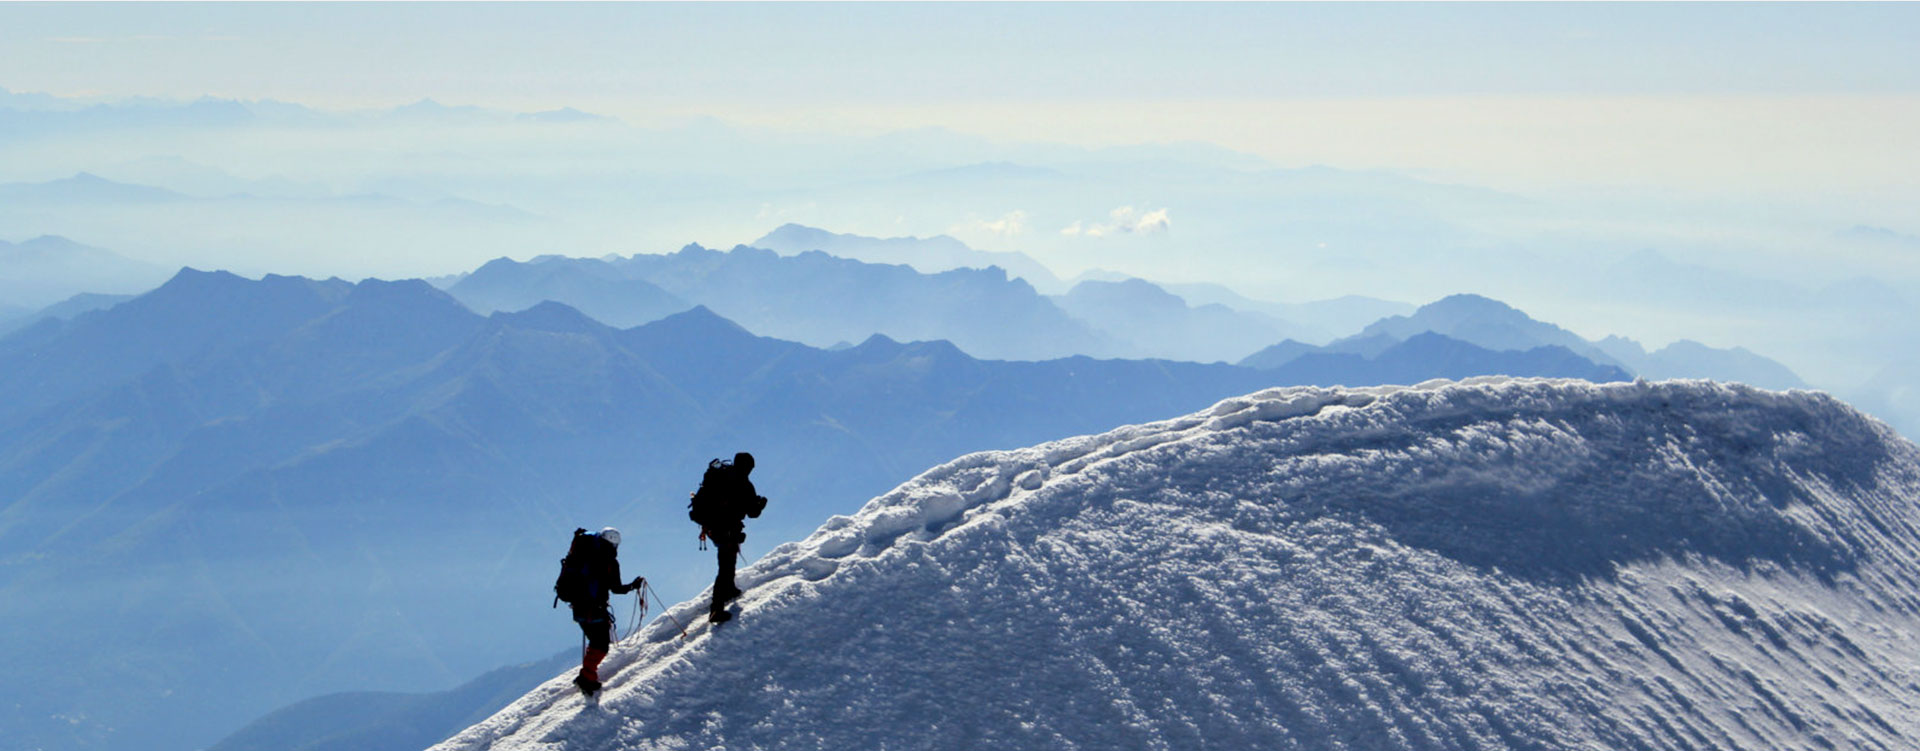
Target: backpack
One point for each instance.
(708, 506)
(577, 584)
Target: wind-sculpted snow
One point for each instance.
(1493, 564)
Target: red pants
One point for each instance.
(599, 634)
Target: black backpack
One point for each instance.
(577, 583)
(708, 507)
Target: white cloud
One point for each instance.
(1013, 224)
(1125, 220)
(1146, 223)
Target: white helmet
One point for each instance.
(611, 535)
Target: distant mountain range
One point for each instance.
(1691, 359)
(821, 299)
(1135, 317)
(36, 115)
(1145, 320)
(87, 187)
(372, 720)
(593, 287)
(1317, 320)
(14, 319)
(263, 225)
(825, 300)
(1465, 334)
(1481, 321)
(927, 255)
(1108, 309)
(811, 297)
(44, 270)
(1428, 355)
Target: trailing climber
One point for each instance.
(589, 572)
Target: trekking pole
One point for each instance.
(668, 612)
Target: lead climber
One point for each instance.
(725, 499)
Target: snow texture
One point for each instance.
(1491, 564)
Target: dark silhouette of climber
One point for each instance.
(721, 506)
(588, 574)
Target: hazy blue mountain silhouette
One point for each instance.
(1317, 320)
(1480, 335)
(125, 214)
(1649, 276)
(1429, 355)
(811, 297)
(1486, 322)
(1366, 346)
(1690, 359)
(1275, 355)
(47, 269)
(56, 119)
(85, 302)
(823, 300)
(929, 254)
(820, 299)
(29, 100)
(1152, 322)
(194, 312)
(86, 187)
(198, 179)
(383, 721)
(15, 319)
(585, 284)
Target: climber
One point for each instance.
(589, 572)
(725, 499)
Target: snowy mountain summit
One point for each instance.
(1492, 564)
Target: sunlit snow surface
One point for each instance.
(1492, 564)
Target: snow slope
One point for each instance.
(1497, 564)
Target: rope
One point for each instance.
(638, 613)
(666, 612)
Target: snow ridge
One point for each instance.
(1494, 563)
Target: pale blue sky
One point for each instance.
(1689, 95)
(885, 53)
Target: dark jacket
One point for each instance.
(603, 575)
(723, 510)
